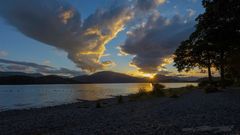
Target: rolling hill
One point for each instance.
(109, 77)
(10, 78)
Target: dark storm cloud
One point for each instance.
(155, 41)
(9, 65)
(57, 23)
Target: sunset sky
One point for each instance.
(73, 37)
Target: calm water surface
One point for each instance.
(34, 96)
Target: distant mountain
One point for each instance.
(207, 79)
(7, 74)
(36, 80)
(109, 77)
(53, 79)
(164, 78)
(99, 77)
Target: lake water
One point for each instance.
(34, 96)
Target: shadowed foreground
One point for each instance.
(193, 113)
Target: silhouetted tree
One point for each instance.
(220, 23)
(233, 69)
(195, 52)
(184, 59)
(215, 40)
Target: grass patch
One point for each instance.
(159, 91)
(211, 89)
(190, 87)
(216, 83)
(141, 94)
(177, 92)
(98, 104)
(120, 99)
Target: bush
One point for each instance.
(211, 89)
(217, 83)
(98, 104)
(142, 94)
(226, 83)
(189, 87)
(174, 96)
(206, 83)
(237, 83)
(120, 99)
(158, 90)
(158, 86)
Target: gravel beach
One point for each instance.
(194, 113)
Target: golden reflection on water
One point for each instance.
(99, 91)
(48, 95)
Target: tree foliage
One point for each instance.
(215, 40)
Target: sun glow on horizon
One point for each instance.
(142, 74)
(151, 76)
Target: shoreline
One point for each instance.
(186, 114)
(19, 105)
(93, 83)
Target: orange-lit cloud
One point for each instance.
(59, 25)
(65, 16)
(98, 30)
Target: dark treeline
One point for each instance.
(215, 42)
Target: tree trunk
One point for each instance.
(222, 66)
(209, 73)
(222, 72)
(209, 69)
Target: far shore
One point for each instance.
(194, 112)
(92, 83)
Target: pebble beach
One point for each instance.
(193, 113)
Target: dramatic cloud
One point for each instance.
(3, 54)
(164, 72)
(145, 5)
(28, 67)
(153, 43)
(98, 30)
(59, 24)
(191, 12)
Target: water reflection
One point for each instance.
(25, 96)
